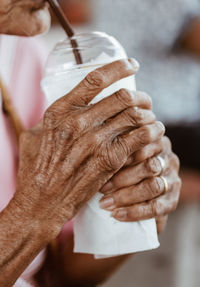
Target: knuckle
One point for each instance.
(153, 166)
(145, 135)
(112, 163)
(156, 208)
(95, 80)
(125, 97)
(160, 128)
(64, 134)
(39, 179)
(130, 117)
(146, 98)
(124, 66)
(114, 156)
(124, 147)
(142, 154)
(159, 185)
(79, 123)
(68, 125)
(155, 186)
(138, 114)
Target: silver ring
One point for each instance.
(166, 186)
(162, 163)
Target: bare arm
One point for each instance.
(75, 269)
(20, 242)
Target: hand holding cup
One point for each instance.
(79, 147)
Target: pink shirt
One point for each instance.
(21, 65)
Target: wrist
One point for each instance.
(27, 223)
(43, 228)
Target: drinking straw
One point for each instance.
(67, 27)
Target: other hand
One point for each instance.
(147, 187)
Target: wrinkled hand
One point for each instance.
(138, 192)
(78, 148)
(24, 17)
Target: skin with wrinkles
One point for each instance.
(23, 17)
(76, 151)
(130, 188)
(59, 156)
(77, 139)
(140, 182)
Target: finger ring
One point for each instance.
(166, 186)
(162, 163)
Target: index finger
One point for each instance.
(100, 79)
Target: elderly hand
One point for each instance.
(24, 17)
(80, 147)
(148, 186)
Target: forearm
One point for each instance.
(20, 242)
(80, 270)
(85, 271)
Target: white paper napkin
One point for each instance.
(98, 233)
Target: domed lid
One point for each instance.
(93, 47)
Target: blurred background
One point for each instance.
(164, 36)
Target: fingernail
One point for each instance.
(107, 203)
(108, 186)
(134, 63)
(120, 214)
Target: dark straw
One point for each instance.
(67, 27)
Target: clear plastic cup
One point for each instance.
(62, 73)
(95, 231)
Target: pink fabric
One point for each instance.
(23, 80)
